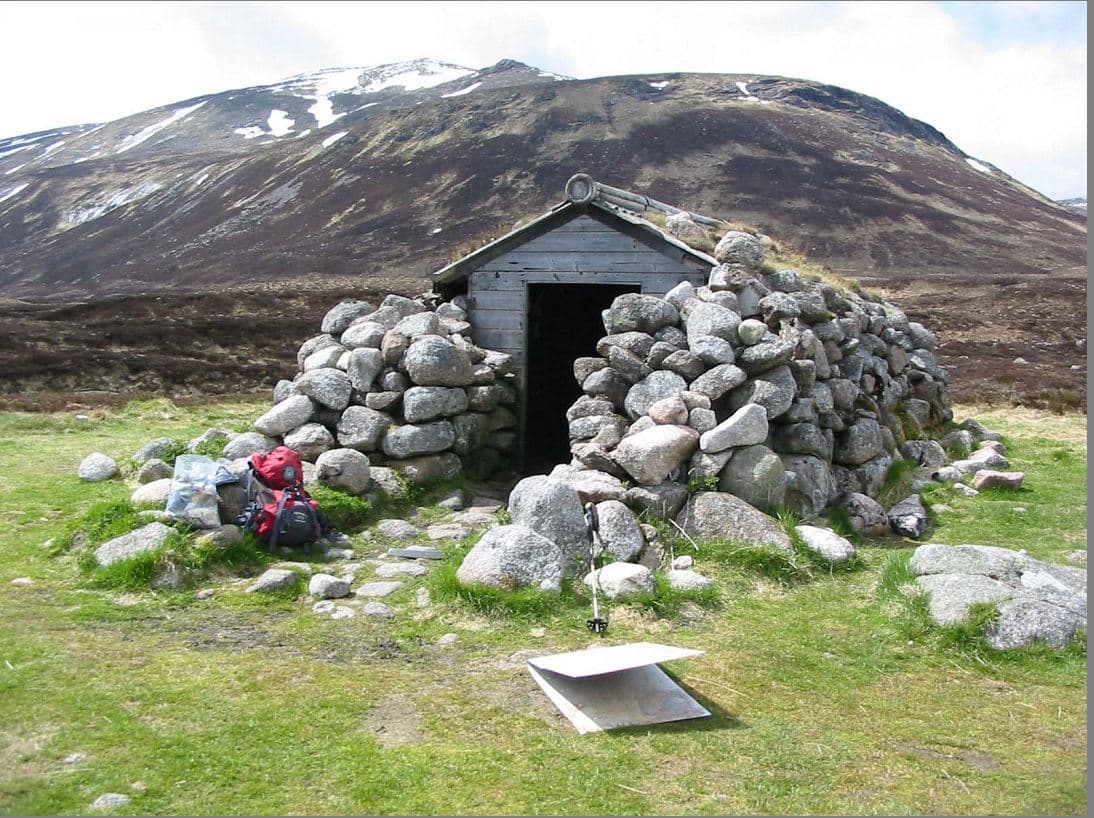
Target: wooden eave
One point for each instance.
(618, 218)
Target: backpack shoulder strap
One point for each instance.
(277, 519)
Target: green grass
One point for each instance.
(898, 482)
(829, 694)
(345, 512)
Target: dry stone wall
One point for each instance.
(779, 390)
(399, 385)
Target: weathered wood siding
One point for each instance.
(581, 251)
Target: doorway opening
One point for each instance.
(564, 323)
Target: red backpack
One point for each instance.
(279, 510)
(278, 468)
(289, 517)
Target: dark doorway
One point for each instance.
(564, 323)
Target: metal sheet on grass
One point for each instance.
(600, 660)
(627, 698)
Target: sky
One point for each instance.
(1005, 81)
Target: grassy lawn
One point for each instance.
(827, 696)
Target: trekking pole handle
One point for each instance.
(592, 520)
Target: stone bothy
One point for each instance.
(538, 293)
(597, 338)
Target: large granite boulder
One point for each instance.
(514, 556)
(634, 312)
(552, 509)
(1038, 602)
(717, 516)
(756, 475)
(652, 455)
(434, 361)
(620, 533)
(286, 416)
(140, 541)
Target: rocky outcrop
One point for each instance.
(1037, 602)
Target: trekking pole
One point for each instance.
(597, 624)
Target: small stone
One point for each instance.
(378, 610)
(826, 543)
(324, 607)
(416, 552)
(153, 448)
(537, 633)
(394, 569)
(344, 612)
(205, 593)
(421, 598)
(447, 531)
(620, 580)
(274, 579)
(967, 491)
(867, 516)
(97, 467)
(909, 517)
(326, 586)
(22, 582)
(987, 478)
(154, 493)
(339, 553)
(448, 639)
(397, 530)
(378, 589)
(110, 801)
(454, 500)
(75, 758)
(684, 579)
(683, 563)
(751, 331)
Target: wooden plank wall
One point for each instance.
(581, 251)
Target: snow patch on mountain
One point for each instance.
(659, 85)
(56, 146)
(148, 132)
(980, 166)
(15, 191)
(330, 140)
(414, 75)
(15, 150)
(280, 123)
(462, 91)
(250, 132)
(323, 111)
(95, 206)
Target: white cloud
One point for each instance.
(1009, 98)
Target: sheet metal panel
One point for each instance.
(628, 698)
(597, 661)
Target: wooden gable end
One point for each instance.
(590, 248)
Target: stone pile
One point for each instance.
(398, 386)
(773, 388)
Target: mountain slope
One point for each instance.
(392, 170)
